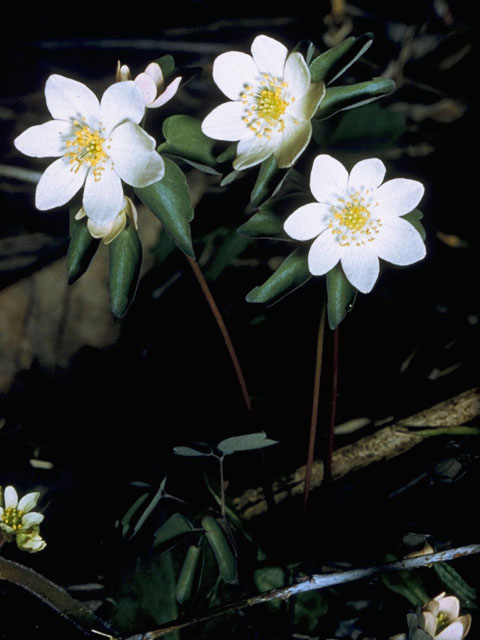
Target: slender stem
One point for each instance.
(223, 329)
(314, 419)
(311, 583)
(333, 410)
(222, 489)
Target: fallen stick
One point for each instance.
(386, 443)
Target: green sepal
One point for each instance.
(167, 65)
(188, 575)
(269, 220)
(185, 138)
(229, 154)
(454, 583)
(306, 48)
(82, 247)
(169, 200)
(328, 66)
(353, 95)
(125, 263)
(172, 532)
(291, 274)
(222, 549)
(340, 296)
(414, 218)
(268, 181)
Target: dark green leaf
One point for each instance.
(230, 177)
(231, 247)
(172, 531)
(454, 583)
(306, 48)
(229, 154)
(292, 273)
(125, 263)
(269, 219)
(269, 179)
(150, 507)
(81, 249)
(414, 218)
(248, 442)
(190, 451)
(222, 550)
(169, 200)
(167, 65)
(332, 63)
(184, 138)
(268, 578)
(354, 95)
(188, 575)
(127, 518)
(340, 296)
(406, 583)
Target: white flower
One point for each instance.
(440, 618)
(357, 220)
(272, 103)
(18, 520)
(151, 84)
(110, 230)
(97, 144)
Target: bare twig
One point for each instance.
(312, 583)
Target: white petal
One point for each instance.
(103, 199)
(232, 71)
(324, 254)
(450, 605)
(366, 175)
(399, 242)
(109, 231)
(58, 184)
(225, 122)
(305, 107)
(269, 55)
(167, 95)
(297, 74)
(45, 140)
(155, 71)
(454, 631)
(32, 518)
(398, 197)
(361, 267)
(10, 498)
(121, 101)
(28, 502)
(428, 622)
(147, 86)
(308, 221)
(329, 179)
(290, 144)
(252, 151)
(134, 156)
(70, 100)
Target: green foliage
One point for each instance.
(169, 200)
(292, 273)
(269, 179)
(329, 65)
(126, 521)
(353, 95)
(205, 450)
(248, 442)
(269, 219)
(167, 65)
(189, 575)
(228, 245)
(172, 532)
(222, 549)
(125, 263)
(340, 296)
(81, 249)
(406, 583)
(185, 139)
(414, 218)
(456, 585)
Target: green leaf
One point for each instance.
(190, 451)
(169, 200)
(151, 506)
(172, 531)
(340, 296)
(188, 575)
(230, 177)
(222, 550)
(231, 246)
(354, 95)
(269, 179)
(306, 48)
(268, 578)
(454, 583)
(329, 65)
(414, 218)
(248, 442)
(184, 138)
(292, 273)
(269, 219)
(81, 249)
(127, 518)
(167, 65)
(406, 583)
(125, 263)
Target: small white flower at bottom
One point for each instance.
(17, 520)
(112, 229)
(357, 220)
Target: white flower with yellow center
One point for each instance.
(151, 83)
(441, 620)
(98, 144)
(357, 220)
(272, 103)
(18, 520)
